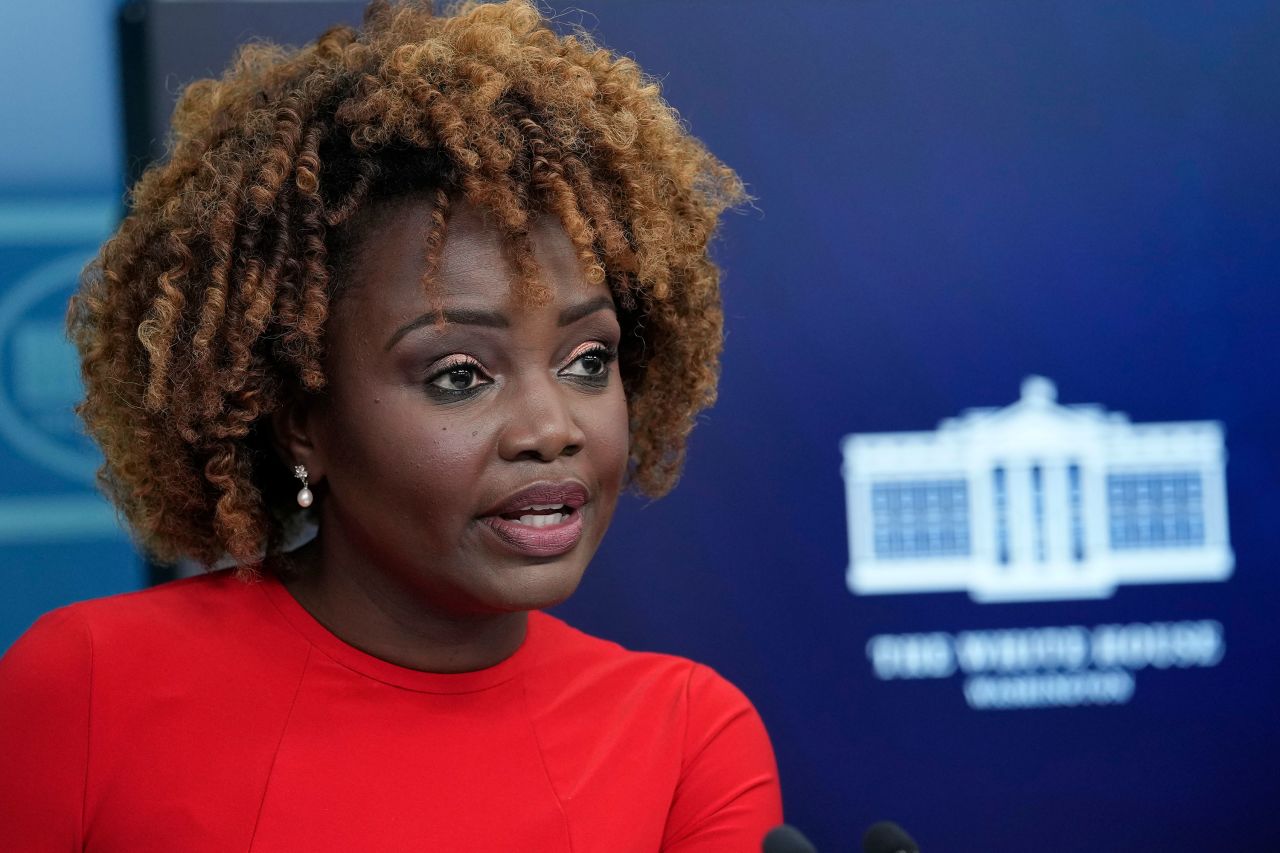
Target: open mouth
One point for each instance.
(541, 520)
(540, 515)
(541, 530)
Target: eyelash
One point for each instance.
(607, 354)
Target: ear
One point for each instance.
(293, 434)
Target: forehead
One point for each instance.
(475, 264)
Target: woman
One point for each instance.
(436, 290)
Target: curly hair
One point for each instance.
(207, 308)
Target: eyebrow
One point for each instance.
(495, 319)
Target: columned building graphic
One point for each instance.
(1036, 500)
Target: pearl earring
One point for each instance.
(304, 495)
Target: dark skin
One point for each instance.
(429, 423)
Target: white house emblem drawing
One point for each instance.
(1036, 501)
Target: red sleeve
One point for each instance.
(728, 796)
(45, 683)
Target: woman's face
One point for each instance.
(473, 463)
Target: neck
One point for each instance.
(368, 609)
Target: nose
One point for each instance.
(541, 425)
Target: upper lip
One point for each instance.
(570, 493)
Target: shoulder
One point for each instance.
(695, 689)
(567, 650)
(188, 603)
(208, 614)
(723, 774)
(53, 656)
(46, 680)
(98, 685)
(181, 609)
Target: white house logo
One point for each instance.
(1039, 501)
(1036, 501)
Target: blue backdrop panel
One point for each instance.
(59, 539)
(953, 197)
(59, 197)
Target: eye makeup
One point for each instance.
(456, 378)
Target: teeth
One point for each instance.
(543, 520)
(537, 507)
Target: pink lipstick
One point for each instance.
(541, 520)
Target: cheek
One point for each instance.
(443, 456)
(397, 453)
(612, 434)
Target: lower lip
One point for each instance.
(549, 541)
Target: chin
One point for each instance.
(543, 586)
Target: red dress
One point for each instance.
(210, 714)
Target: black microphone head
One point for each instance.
(787, 839)
(887, 837)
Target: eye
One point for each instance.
(591, 362)
(459, 375)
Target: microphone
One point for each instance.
(887, 837)
(787, 839)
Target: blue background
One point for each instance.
(60, 192)
(950, 196)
